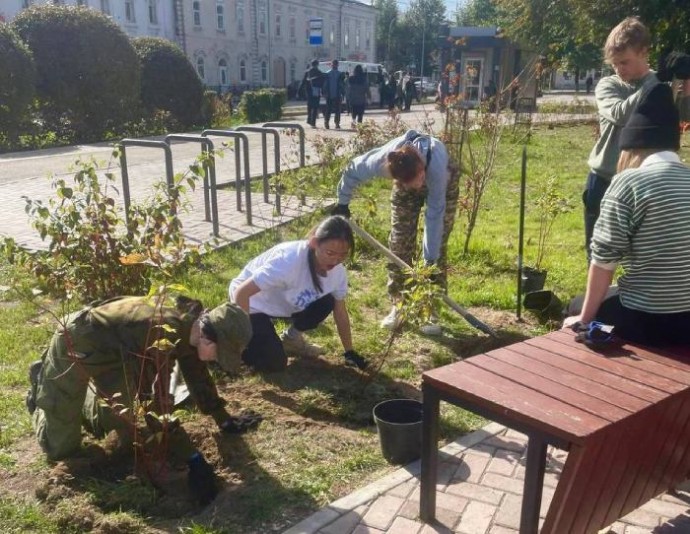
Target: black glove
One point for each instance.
(341, 209)
(201, 479)
(673, 64)
(238, 425)
(355, 360)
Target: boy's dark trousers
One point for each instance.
(312, 109)
(332, 106)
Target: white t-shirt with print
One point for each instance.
(282, 274)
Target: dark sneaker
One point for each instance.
(328, 126)
(34, 372)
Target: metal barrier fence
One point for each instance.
(242, 166)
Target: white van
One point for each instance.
(370, 69)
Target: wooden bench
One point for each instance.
(622, 412)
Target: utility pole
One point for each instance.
(421, 69)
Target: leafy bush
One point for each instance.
(262, 105)
(168, 80)
(216, 111)
(87, 70)
(93, 253)
(17, 79)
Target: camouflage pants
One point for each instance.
(406, 208)
(86, 363)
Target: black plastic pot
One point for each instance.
(399, 424)
(533, 279)
(545, 304)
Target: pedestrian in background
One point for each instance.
(358, 94)
(334, 90)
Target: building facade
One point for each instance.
(236, 44)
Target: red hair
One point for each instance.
(404, 164)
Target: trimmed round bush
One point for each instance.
(168, 80)
(88, 71)
(17, 79)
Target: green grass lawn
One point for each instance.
(317, 442)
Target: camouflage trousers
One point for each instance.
(406, 208)
(88, 379)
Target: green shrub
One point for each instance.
(17, 79)
(87, 70)
(168, 80)
(262, 105)
(93, 253)
(216, 110)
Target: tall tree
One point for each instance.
(477, 13)
(423, 20)
(386, 24)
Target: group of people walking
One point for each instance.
(637, 214)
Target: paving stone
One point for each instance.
(403, 525)
(508, 514)
(314, 522)
(674, 525)
(641, 518)
(512, 485)
(382, 512)
(633, 530)
(346, 523)
(476, 518)
(365, 529)
(504, 442)
(497, 529)
(410, 509)
(504, 462)
(665, 508)
(435, 529)
(403, 490)
(472, 467)
(475, 492)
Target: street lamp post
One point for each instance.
(421, 70)
(388, 47)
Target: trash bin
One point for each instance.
(399, 424)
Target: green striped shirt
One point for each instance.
(645, 226)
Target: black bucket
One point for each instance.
(545, 304)
(399, 423)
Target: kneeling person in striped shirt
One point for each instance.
(644, 226)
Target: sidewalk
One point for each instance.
(479, 491)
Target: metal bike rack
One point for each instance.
(210, 208)
(264, 151)
(125, 174)
(291, 126)
(242, 141)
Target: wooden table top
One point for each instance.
(555, 385)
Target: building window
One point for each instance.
(239, 14)
(105, 7)
(278, 21)
(262, 18)
(332, 36)
(291, 29)
(223, 72)
(153, 12)
(201, 68)
(367, 42)
(357, 38)
(130, 15)
(196, 13)
(264, 71)
(220, 17)
(293, 71)
(243, 71)
(347, 37)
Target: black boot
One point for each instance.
(34, 372)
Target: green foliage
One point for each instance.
(93, 253)
(17, 79)
(216, 111)
(549, 204)
(262, 105)
(168, 80)
(87, 71)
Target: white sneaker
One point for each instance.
(392, 320)
(432, 328)
(298, 346)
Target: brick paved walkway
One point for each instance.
(478, 492)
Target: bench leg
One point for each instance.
(534, 483)
(427, 497)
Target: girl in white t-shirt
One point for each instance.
(303, 281)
